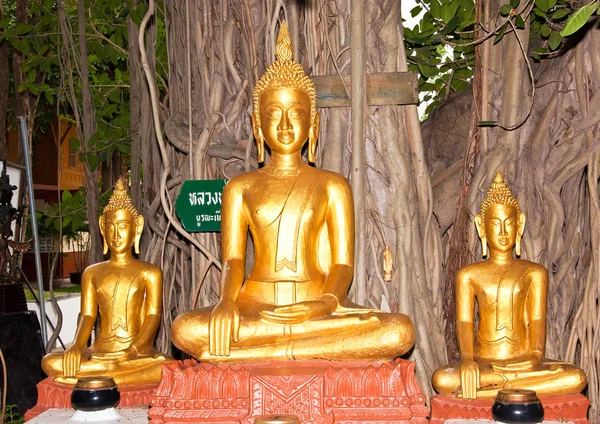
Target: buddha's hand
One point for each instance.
(469, 379)
(527, 363)
(72, 361)
(302, 311)
(224, 326)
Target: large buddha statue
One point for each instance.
(507, 350)
(128, 294)
(293, 304)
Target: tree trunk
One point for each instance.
(4, 86)
(88, 123)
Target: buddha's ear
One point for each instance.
(315, 126)
(521, 227)
(313, 134)
(139, 227)
(481, 232)
(104, 244)
(260, 139)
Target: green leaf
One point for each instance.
(514, 3)
(544, 5)
(449, 11)
(452, 25)
(66, 196)
(554, 40)
(31, 75)
(415, 11)
(424, 69)
(5, 22)
(93, 161)
(560, 13)
(545, 31)
(578, 19)
(23, 28)
(74, 143)
(505, 10)
(519, 22)
(500, 33)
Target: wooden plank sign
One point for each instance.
(395, 88)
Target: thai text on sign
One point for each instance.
(199, 205)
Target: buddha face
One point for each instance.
(501, 228)
(120, 230)
(285, 118)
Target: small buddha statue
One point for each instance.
(293, 304)
(128, 294)
(507, 350)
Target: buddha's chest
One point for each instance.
(509, 294)
(296, 200)
(117, 286)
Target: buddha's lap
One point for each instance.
(193, 327)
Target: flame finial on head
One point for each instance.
(283, 47)
(285, 72)
(499, 194)
(120, 200)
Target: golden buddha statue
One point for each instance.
(507, 351)
(293, 305)
(128, 293)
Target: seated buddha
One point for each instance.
(507, 350)
(128, 294)
(293, 304)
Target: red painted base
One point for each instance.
(319, 392)
(55, 395)
(570, 408)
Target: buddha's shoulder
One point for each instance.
(533, 267)
(242, 181)
(333, 179)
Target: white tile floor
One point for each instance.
(109, 416)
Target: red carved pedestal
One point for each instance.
(316, 392)
(570, 408)
(56, 395)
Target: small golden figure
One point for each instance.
(507, 352)
(293, 304)
(128, 293)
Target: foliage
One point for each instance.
(68, 218)
(11, 415)
(442, 47)
(46, 70)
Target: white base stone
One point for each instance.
(108, 416)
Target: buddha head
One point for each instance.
(285, 104)
(121, 224)
(500, 223)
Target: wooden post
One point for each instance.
(359, 105)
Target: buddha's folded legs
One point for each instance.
(137, 371)
(552, 378)
(368, 336)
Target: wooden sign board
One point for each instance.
(395, 88)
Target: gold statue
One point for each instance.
(128, 293)
(293, 304)
(507, 352)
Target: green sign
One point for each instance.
(199, 205)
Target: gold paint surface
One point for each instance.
(277, 419)
(100, 382)
(293, 303)
(507, 351)
(517, 396)
(128, 295)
